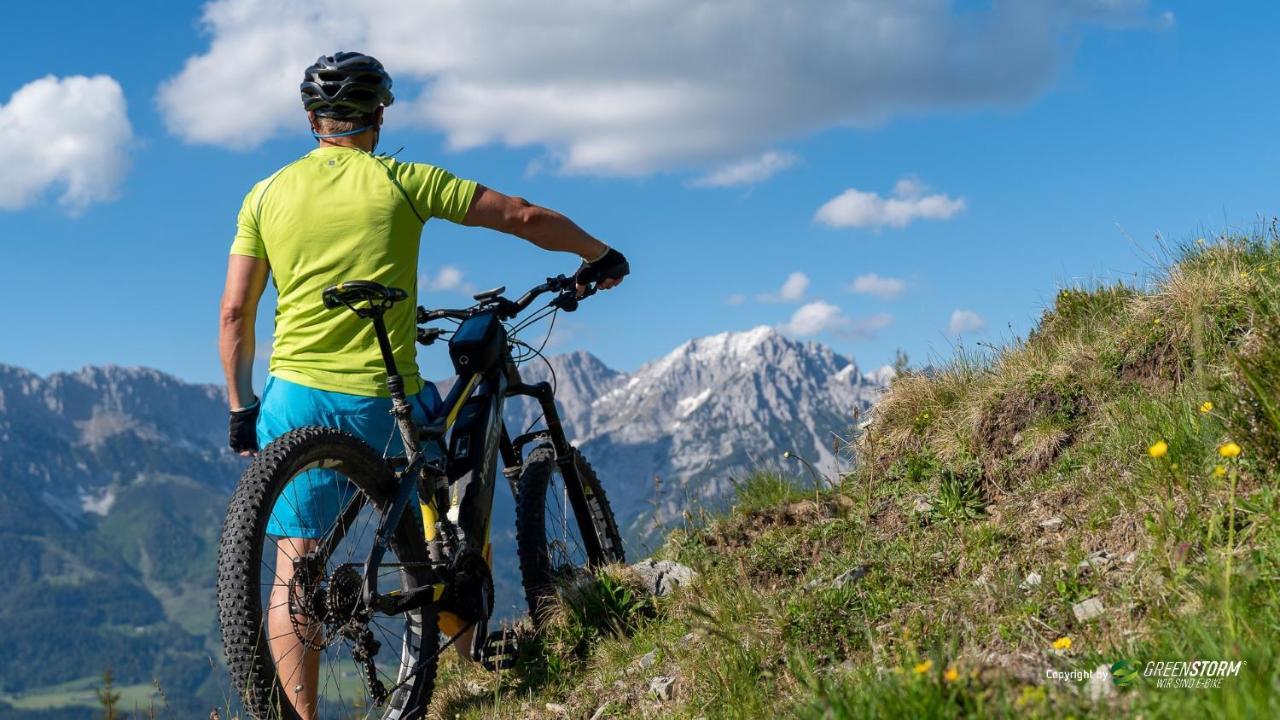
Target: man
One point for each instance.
(342, 213)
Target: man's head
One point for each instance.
(344, 93)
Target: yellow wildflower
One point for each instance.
(1062, 643)
(1229, 450)
(951, 675)
(1206, 407)
(1159, 449)
(1219, 471)
(923, 667)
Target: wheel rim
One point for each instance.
(567, 555)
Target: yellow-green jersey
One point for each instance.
(335, 214)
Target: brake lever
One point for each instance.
(426, 336)
(566, 301)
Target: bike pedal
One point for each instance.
(500, 651)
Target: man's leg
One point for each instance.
(297, 667)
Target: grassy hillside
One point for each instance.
(1101, 492)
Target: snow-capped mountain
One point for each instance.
(676, 428)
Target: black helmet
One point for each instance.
(346, 85)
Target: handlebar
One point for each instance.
(507, 309)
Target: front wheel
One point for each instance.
(564, 525)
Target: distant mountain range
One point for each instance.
(113, 482)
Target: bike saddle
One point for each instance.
(350, 292)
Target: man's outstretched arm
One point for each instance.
(246, 279)
(543, 227)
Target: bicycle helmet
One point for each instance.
(346, 85)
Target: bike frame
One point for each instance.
(460, 480)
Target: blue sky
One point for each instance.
(1055, 145)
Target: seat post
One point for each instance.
(395, 383)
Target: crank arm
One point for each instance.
(411, 599)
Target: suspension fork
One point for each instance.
(565, 459)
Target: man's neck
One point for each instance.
(363, 141)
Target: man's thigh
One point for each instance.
(310, 503)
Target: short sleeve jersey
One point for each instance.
(335, 214)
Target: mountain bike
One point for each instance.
(409, 549)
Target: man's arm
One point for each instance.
(545, 228)
(246, 279)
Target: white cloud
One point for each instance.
(447, 279)
(966, 321)
(735, 299)
(885, 288)
(815, 317)
(820, 316)
(747, 172)
(629, 88)
(792, 290)
(70, 132)
(855, 208)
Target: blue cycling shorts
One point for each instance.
(311, 502)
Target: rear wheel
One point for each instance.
(271, 616)
(555, 543)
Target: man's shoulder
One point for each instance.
(259, 188)
(408, 167)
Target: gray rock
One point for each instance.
(1096, 561)
(1130, 557)
(1100, 686)
(922, 505)
(1031, 581)
(662, 577)
(1052, 524)
(853, 574)
(1088, 609)
(557, 709)
(663, 687)
(647, 660)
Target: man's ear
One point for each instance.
(377, 117)
(311, 118)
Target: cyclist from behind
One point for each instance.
(341, 213)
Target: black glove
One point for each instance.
(244, 428)
(613, 266)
